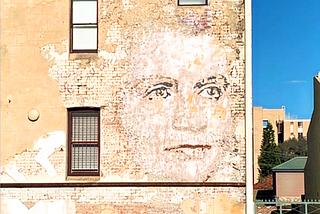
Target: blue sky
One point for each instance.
(286, 54)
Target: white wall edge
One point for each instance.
(248, 106)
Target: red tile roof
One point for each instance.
(264, 184)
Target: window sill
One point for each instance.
(80, 56)
(82, 178)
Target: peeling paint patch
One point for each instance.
(14, 206)
(47, 146)
(223, 204)
(46, 158)
(13, 171)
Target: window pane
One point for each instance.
(84, 38)
(85, 127)
(84, 12)
(84, 157)
(264, 123)
(191, 2)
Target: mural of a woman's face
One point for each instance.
(175, 110)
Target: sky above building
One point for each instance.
(286, 54)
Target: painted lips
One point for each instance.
(188, 146)
(189, 152)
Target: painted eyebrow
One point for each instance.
(168, 84)
(150, 90)
(202, 82)
(211, 79)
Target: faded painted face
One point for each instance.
(175, 106)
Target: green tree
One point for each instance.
(269, 153)
(292, 148)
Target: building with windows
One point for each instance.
(295, 128)
(285, 128)
(128, 106)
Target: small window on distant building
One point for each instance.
(84, 26)
(291, 135)
(300, 124)
(84, 141)
(300, 135)
(291, 127)
(192, 2)
(264, 123)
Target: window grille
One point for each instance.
(84, 145)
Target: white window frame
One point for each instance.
(84, 34)
(192, 2)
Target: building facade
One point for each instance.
(312, 176)
(128, 106)
(295, 128)
(288, 179)
(285, 128)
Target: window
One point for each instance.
(264, 123)
(300, 124)
(300, 136)
(84, 141)
(291, 135)
(84, 26)
(192, 2)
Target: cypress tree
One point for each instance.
(269, 153)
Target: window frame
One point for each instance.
(265, 123)
(88, 25)
(202, 4)
(70, 172)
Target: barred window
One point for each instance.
(84, 26)
(84, 141)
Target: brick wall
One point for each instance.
(204, 200)
(202, 43)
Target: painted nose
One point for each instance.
(190, 116)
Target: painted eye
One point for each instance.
(210, 92)
(160, 90)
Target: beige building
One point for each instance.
(295, 128)
(312, 173)
(123, 106)
(284, 128)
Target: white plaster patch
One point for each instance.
(50, 53)
(84, 82)
(111, 58)
(13, 171)
(15, 206)
(54, 207)
(127, 4)
(47, 145)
